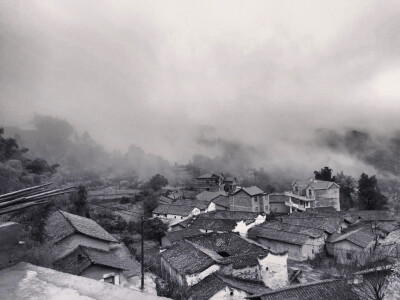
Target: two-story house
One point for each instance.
(312, 193)
(251, 199)
(209, 182)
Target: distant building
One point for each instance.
(278, 203)
(312, 193)
(220, 199)
(170, 212)
(251, 199)
(229, 184)
(209, 182)
(203, 206)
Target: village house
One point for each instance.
(68, 235)
(209, 182)
(168, 212)
(190, 260)
(353, 247)
(229, 184)
(67, 231)
(249, 199)
(329, 223)
(302, 243)
(278, 203)
(312, 193)
(217, 286)
(220, 199)
(92, 263)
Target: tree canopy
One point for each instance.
(158, 181)
(369, 194)
(325, 174)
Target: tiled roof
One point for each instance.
(278, 235)
(195, 254)
(320, 290)
(208, 196)
(252, 190)
(228, 242)
(230, 215)
(241, 261)
(221, 201)
(329, 224)
(327, 209)
(174, 236)
(184, 257)
(179, 210)
(358, 237)
(87, 227)
(82, 257)
(229, 179)
(164, 200)
(213, 283)
(183, 224)
(302, 182)
(208, 175)
(312, 232)
(321, 185)
(213, 224)
(373, 215)
(194, 203)
(278, 198)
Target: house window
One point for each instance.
(348, 255)
(80, 257)
(255, 199)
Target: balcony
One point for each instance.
(291, 194)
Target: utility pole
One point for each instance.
(142, 254)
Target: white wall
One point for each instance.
(273, 269)
(192, 279)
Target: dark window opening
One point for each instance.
(80, 257)
(348, 255)
(223, 254)
(110, 279)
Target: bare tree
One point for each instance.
(371, 284)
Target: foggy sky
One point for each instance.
(171, 75)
